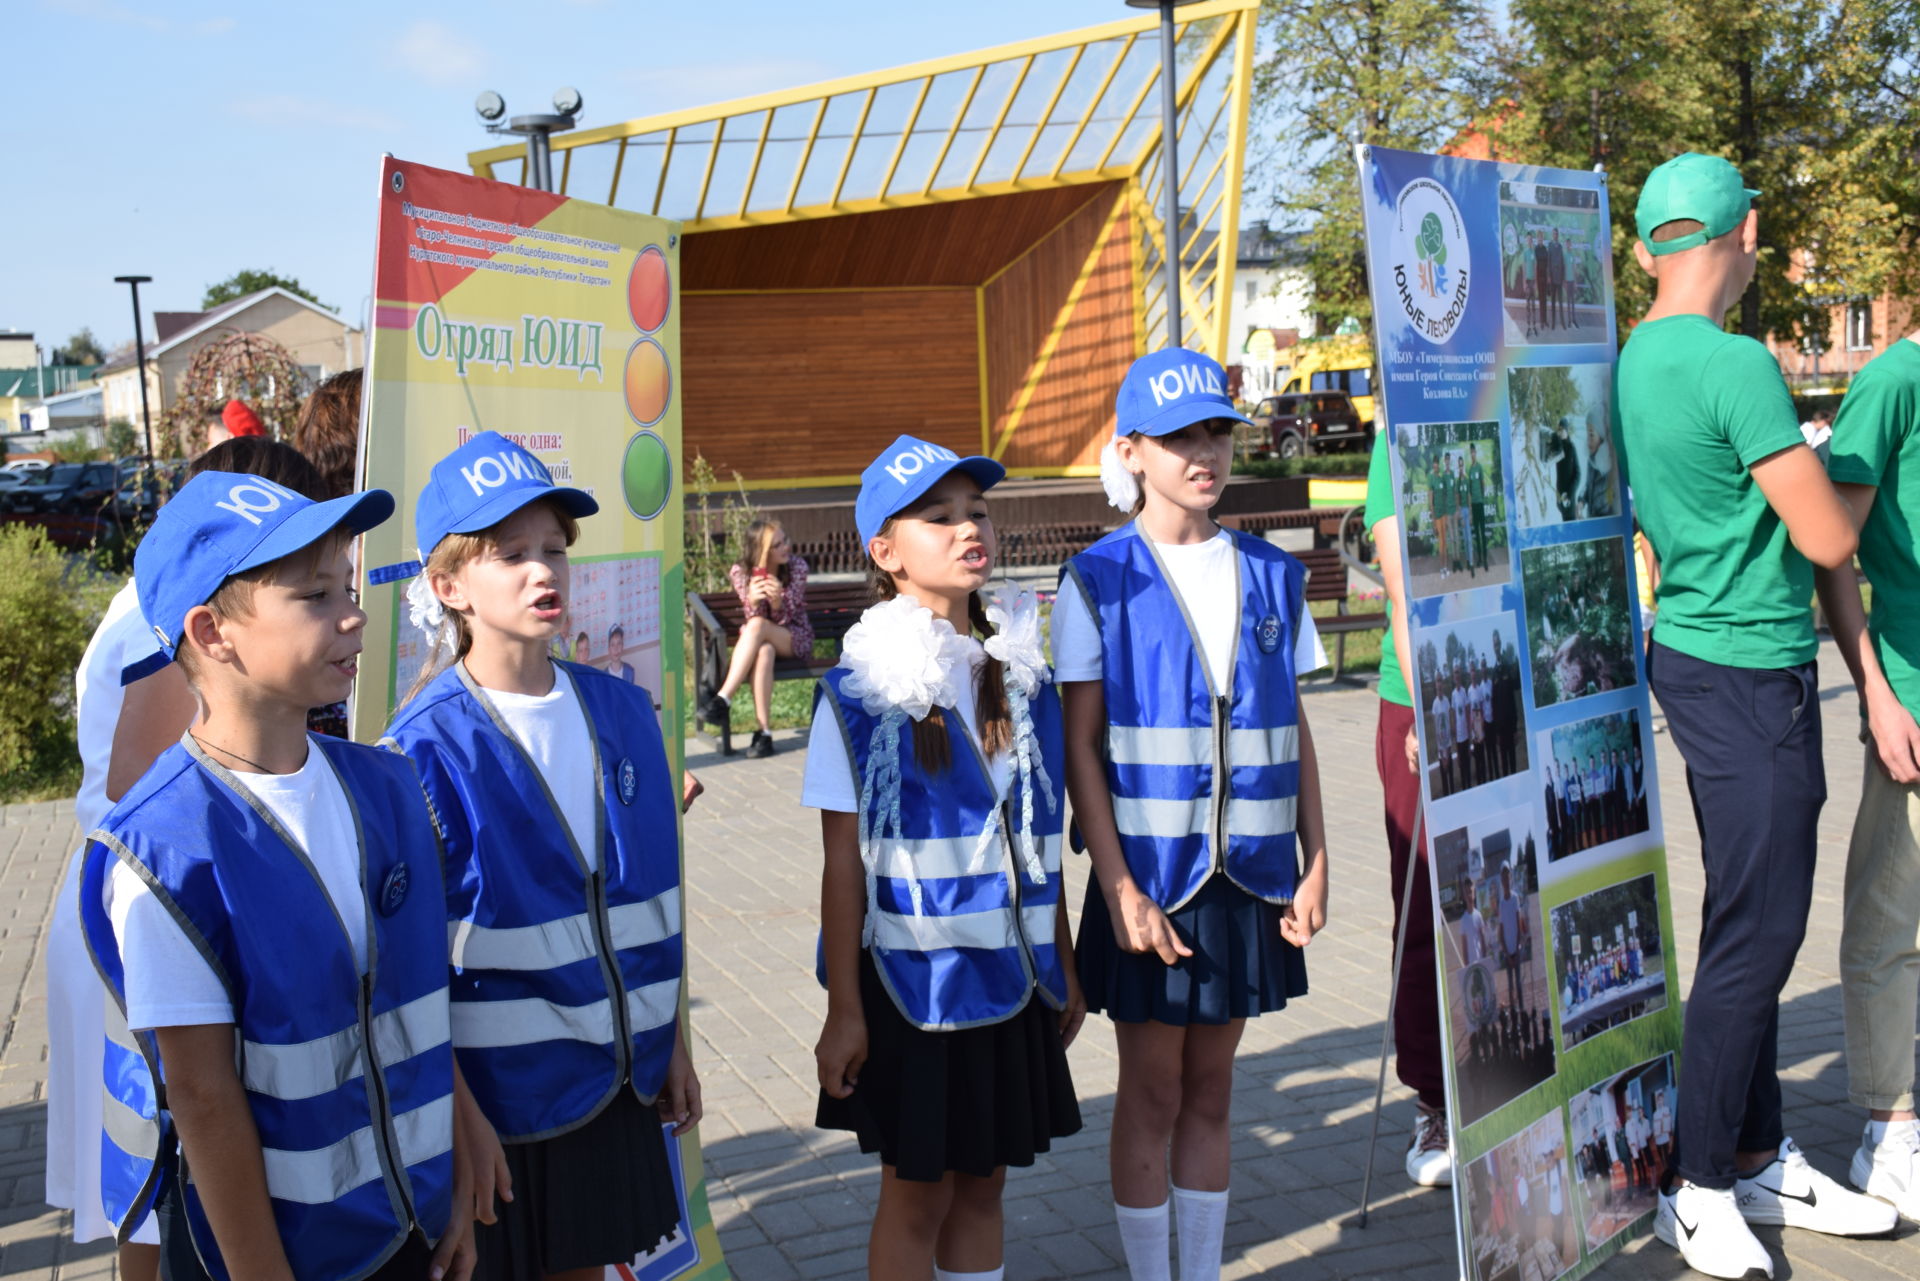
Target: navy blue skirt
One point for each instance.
(1240, 967)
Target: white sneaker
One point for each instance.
(1790, 1192)
(1890, 1169)
(1704, 1224)
(1429, 1164)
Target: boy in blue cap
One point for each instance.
(265, 905)
(1738, 510)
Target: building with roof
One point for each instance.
(320, 341)
(23, 388)
(967, 249)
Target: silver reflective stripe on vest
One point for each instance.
(493, 1025)
(1039, 922)
(934, 858)
(1261, 818)
(565, 941)
(324, 1064)
(990, 930)
(321, 1176)
(1163, 819)
(652, 1006)
(1147, 745)
(136, 1135)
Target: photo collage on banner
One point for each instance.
(1494, 336)
(554, 322)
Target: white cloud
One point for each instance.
(286, 109)
(439, 55)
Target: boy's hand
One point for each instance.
(680, 1101)
(1896, 738)
(1139, 926)
(1306, 916)
(841, 1052)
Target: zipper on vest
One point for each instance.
(610, 967)
(387, 1142)
(1222, 779)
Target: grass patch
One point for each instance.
(1363, 648)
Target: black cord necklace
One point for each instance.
(228, 751)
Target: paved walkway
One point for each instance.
(792, 1201)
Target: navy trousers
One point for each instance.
(1751, 741)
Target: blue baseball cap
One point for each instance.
(482, 483)
(223, 523)
(1171, 389)
(906, 469)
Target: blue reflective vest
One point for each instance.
(983, 938)
(566, 981)
(1203, 780)
(349, 1077)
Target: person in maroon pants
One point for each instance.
(1416, 1014)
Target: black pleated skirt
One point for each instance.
(592, 1197)
(968, 1102)
(1241, 965)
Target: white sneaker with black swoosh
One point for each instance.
(1790, 1192)
(1705, 1225)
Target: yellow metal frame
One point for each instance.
(1132, 154)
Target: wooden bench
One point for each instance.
(1327, 580)
(717, 617)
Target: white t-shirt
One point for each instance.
(98, 696)
(1473, 936)
(1510, 923)
(553, 730)
(169, 983)
(828, 783)
(1204, 575)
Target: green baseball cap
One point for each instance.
(1706, 189)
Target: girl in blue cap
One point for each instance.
(563, 880)
(1178, 644)
(936, 762)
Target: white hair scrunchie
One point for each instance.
(1122, 486)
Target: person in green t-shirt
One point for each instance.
(1477, 495)
(1735, 505)
(1440, 486)
(1875, 465)
(1396, 756)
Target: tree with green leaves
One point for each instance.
(1390, 73)
(81, 349)
(242, 283)
(1817, 102)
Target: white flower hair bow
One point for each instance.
(424, 609)
(1122, 486)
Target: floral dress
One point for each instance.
(790, 612)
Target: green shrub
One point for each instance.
(49, 605)
(1348, 464)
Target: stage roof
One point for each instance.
(1080, 107)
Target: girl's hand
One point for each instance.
(841, 1052)
(766, 590)
(454, 1258)
(1140, 926)
(1413, 752)
(486, 1165)
(1306, 916)
(1075, 1011)
(680, 1100)
(690, 789)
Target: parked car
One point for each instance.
(142, 492)
(71, 488)
(1307, 422)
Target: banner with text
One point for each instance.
(1492, 293)
(554, 322)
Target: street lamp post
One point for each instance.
(1169, 157)
(536, 129)
(140, 355)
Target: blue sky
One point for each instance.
(188, 140)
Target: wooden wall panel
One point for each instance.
(782, 386)
(961, 242)
(1070, 410)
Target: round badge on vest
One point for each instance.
(628, 779)
(393, 891)
(1267, 634)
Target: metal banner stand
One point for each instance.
(1393, 997)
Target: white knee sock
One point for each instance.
(941, 1274)
(1203, 1232)
(1143, 1238)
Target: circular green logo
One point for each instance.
(646, 475)
(1432, 241)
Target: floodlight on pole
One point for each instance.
(536, 129)
(140, 355)
(1169, 158)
